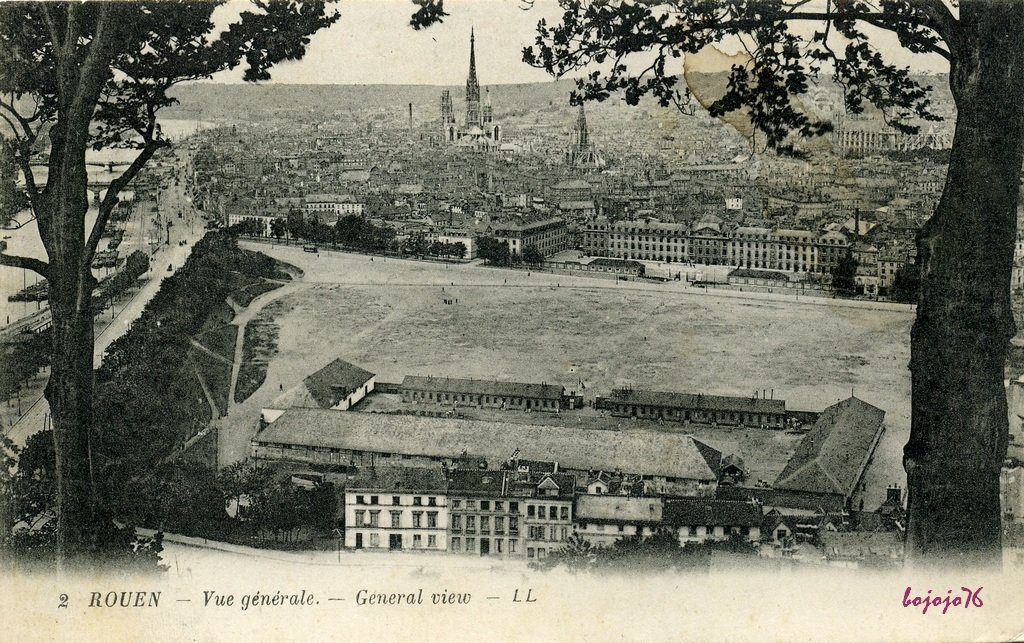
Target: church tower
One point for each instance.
(580, 138)
(472, 87)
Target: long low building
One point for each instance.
(696, 408)
(667, 462)
(484, 393)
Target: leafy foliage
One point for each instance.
(781, 63)
(844, 275)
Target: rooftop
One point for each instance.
(633, 451)
(482, 387)
(697, 401)
(832, 457)
(711, 512)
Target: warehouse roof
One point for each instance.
(833, 456)
(634, 451)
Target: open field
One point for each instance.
(390, 318)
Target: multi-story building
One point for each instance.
(549, 513)
(700, 519)
(333, 205)
(395, 508)
(648, 239)
(604, 519)
(549, 236)
(485, 514)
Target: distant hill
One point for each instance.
(248, 102)
(214, 101)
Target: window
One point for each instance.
(432, 519)
(417, 541)
(530, 511)
(540, 512)
(374, 540)
(540, 552)
(395, 500)
(471, 544)
(456, 543)
(470, 523)
(417, 501)
(512, 546)
(375, 519)
(471, 504)
(499, 505)
(432, 501)
(432, 541)
(456, 504)
(374, 500)
(565, 513)
(485, 524)
(513, 525)
(457, 522)
(360, 518)
(417, 519)
(513, 507)
(360, 500)
(529, 552)
(498, 543)
(396, 519)
(553, 533)
(485, 505)
(499, 525)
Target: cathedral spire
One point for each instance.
(472, 56)
(472, 86)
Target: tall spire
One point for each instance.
(472, 56)
(472, 86)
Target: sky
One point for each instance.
(373, 43)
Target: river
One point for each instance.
(25, 240)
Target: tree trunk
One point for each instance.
(964, 321)
(69, 390)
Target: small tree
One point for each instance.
(532, 256)
(844, 275)
(907, 284)
(278, 228)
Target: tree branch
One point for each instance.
(36, 265)
(110, 199)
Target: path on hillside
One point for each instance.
(242, 319)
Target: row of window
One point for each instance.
(487, 545)
(485, 524)
(417, 501)
(480, 399)
(485, 505)
(554, 534)
(372, 519)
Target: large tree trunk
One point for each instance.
(964, 321)
(70, 387)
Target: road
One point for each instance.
(189, 228)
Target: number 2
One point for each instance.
(63, 601)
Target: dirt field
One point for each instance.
(391, 318)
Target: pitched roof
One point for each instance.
(325, 388)
(698, 402)
(398, 479)
(790, 500)
(635, 451)
(711, 512)
(832, 457)
(482, 387)
(607, 508)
